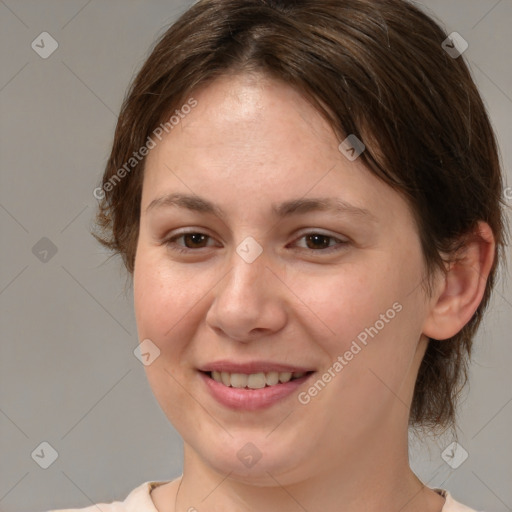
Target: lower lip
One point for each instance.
(251, 399)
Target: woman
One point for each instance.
(308, 196)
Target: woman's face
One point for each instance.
(268, 279)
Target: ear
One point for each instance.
(460, 292)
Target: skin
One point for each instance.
(251, 142)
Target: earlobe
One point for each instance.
(461, 290)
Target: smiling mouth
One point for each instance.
(255, 380)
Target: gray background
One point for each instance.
(68, 375)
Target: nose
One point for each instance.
(249, 302)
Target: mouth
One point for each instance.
(257, 380)
(253, 391)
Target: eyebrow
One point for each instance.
(285, 209)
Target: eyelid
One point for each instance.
(341, 242)
(322, 232)
(178, 234)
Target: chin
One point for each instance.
(256, 461)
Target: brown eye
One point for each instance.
(191, 240)
(317, 241)
(321, 242)
(194, 239)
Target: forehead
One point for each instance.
(240, 112)
(247, 122)
(249, 134)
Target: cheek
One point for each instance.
(377, 322)
(163, 301)
(367, 315)
(150, 297)
(162, 296)
(348, 301)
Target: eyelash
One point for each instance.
(170, 242)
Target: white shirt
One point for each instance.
(139, 500)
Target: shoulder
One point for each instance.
(451, 505)
(139, 500)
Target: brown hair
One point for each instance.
(373, 68)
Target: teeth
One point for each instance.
(285, 376)
(238, 380)
(272, 378)
(254, 380)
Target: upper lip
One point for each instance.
(251, 367)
